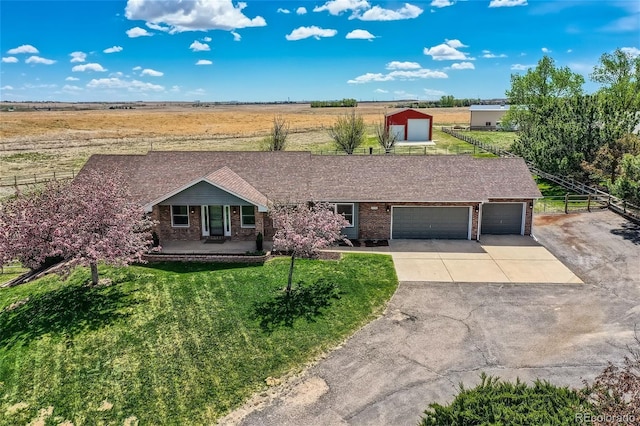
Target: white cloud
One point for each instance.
(433, 94)
(369, 77)
(398, 75)
(488, 54)
(71, 88)
(196, 46)
(336, 7)
(381, 91)
(236, 36)
(204, 62)
(301, 10)
(207, 39)
(397, 65)
(312, 31)
(622, 25)
(71, 79)
(7, 87)
(138, 32)
(39, 60)
(193, 15)
(151, 73)
(25, 48)
(376, 13)
(9, 59)
(401, 94)
(545, 50)
(413, 74)
(88, 67)
(631, 51)
(463, 66)
(441, 3)
(447, 51)
(507, 3)
(114, 49)
(521, 67)
(285, 11)
(130, 85)
(78, 56)
(360, 34)
(158, 27)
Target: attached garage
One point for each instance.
(502, 218)
(430, 222)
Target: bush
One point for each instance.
(504, 403)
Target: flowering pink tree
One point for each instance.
(303, 230)
(106, 226)
(29, 226)
(86, 221)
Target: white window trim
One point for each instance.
(188, 218)
(242, 225)
(353, 212)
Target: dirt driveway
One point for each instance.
(436, 335)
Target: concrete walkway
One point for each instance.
(496, 259)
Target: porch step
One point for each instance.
(215, 240)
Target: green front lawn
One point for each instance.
(170, 343)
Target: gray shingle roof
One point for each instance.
(301, 176)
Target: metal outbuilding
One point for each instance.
(410, 125)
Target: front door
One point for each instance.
(216, 221)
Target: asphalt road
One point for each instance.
(435, 335)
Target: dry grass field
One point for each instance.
(41, 141)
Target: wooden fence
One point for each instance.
(32, 179)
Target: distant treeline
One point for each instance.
(447, 102)
(346, 102)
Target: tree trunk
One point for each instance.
(293, 257)
(94, 273)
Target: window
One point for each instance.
(247, 217)
(346, 210)
(180, 216)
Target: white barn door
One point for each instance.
(418, 129)
(398, 130)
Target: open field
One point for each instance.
(40, 141)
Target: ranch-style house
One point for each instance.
(202, 195)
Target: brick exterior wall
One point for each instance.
(374, 224)
(528, 219)
(240, 233)
(165, 231)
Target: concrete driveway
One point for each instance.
(496, 259)
(436, 335)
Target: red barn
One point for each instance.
(410, 125)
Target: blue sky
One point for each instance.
(223, 50)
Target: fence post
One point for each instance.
(566, 203)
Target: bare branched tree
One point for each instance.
(386, 139)
(277, 139)
(348, 132)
